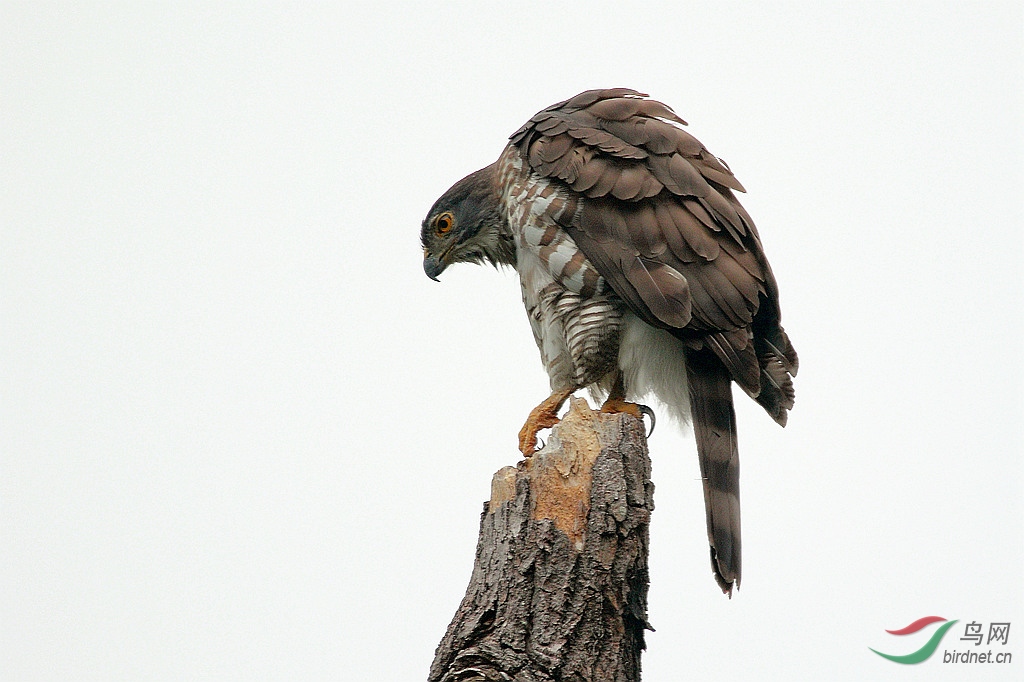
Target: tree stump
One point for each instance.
(559, 586)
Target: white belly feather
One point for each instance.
(653, 362)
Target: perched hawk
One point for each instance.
(640, 271)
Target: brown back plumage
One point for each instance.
(661, 224)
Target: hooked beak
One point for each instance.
(433, 266)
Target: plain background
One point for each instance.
(242, 436)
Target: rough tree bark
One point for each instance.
(559, 586)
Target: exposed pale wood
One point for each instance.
(559, 586)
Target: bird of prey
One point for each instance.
(641, 274)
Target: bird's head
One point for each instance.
(467, 225)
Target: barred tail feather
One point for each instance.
(714, 425)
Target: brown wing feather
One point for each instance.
(661, 206)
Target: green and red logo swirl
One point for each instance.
(930, 646)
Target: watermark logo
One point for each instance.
(930, 646)
(998, 633)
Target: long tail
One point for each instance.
(714, 425)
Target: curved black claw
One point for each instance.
(540, 445)
(650, 413)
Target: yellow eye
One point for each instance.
(444, 223)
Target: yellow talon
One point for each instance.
(543, 416)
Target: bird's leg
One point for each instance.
(543, 416)
(616, 403)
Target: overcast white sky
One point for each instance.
(242, 436)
